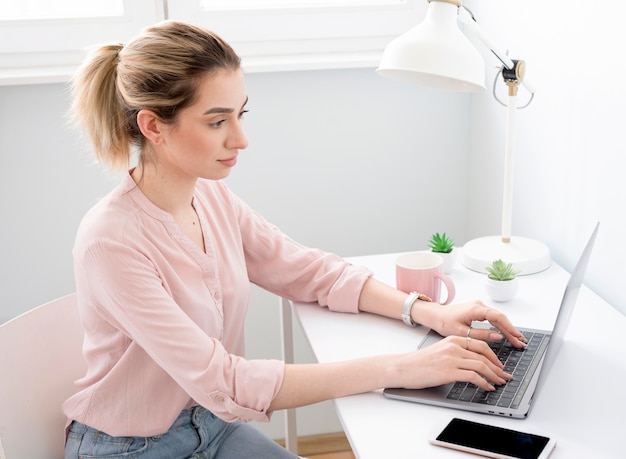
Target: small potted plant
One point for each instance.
(443, 245)
(502, 282)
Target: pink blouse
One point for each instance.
(164, 321)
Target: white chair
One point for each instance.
(40, 358)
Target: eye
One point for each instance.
(217, 123)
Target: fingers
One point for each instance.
(484, 334)
(461, 316)
(474, 347)
(455, 358)
(479, 359)
(500, 321)
(479, 374)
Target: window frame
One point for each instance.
(49, 50)
(267, 38)
(306, 37)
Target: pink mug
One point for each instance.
(421, 272)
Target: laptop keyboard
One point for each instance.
(521, 363)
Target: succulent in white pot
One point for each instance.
(443, 245)
(502, 282)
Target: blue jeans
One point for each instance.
(196, 434)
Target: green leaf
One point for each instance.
(441, 243)
(501, 271)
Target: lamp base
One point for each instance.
(527, 255)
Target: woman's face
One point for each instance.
(207, 136)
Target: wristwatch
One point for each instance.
(407, 306)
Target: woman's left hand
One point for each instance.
(456, 319)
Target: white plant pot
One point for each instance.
(502, 291)
(449, 259)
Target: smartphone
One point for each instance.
(492, 441)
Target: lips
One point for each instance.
(230, 162)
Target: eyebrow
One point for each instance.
(214, 110)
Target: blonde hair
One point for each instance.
(158, 70)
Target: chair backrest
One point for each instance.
(40, 358)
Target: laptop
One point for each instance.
(528, 366)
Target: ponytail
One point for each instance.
(99, 109)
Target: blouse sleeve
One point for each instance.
(277, 263)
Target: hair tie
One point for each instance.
(118, 47)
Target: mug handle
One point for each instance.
(449, 287)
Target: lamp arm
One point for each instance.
(468, 20)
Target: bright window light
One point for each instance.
(15, 10)
(208, 5)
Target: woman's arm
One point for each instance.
(379, 298)
(455, 358)
(444, 362)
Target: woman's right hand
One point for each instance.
(452, 359)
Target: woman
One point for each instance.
(163, 266)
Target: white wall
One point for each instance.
(570, 141)
(342, 160)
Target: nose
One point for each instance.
(237, 138)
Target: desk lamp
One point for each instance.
(437, 54)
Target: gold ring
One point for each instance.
(486, 311)
(468, 338)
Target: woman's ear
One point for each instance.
(150, 126)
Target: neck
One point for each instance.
(169, 192)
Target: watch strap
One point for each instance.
(407, 307)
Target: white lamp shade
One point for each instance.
(435, 53)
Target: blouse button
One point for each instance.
(217, 296)
(218, 398)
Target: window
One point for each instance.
(46, 9)
(42, 44)
(272, 4)
(275, 35)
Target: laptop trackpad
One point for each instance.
(431, 338)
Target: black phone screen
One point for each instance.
(494, 439)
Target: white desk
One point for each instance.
(380, 428)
